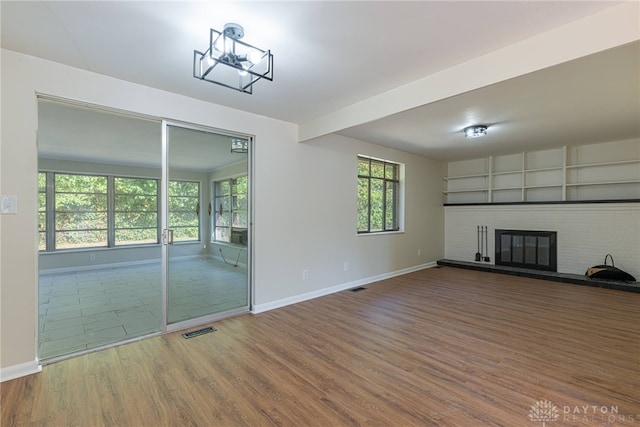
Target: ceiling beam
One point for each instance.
(614, 26)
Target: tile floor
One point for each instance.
(87, 309)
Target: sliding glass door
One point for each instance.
(206, 231)
(100, 266)
(143, 227)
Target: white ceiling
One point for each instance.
(331, 54)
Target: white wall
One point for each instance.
(586, 232)
(304, 198)
(312, 221)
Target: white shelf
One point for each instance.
(555, 168)
(551, 174)
(543, 186)
(518, 172)
(507, 188)
(472, 190)
(591, 165)
(483, 175)
(579, 184)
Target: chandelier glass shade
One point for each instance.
(232, 63)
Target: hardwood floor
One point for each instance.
(442, 346)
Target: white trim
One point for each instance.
(99, 266)
(20, 370)
(121, 264)
(260, 308)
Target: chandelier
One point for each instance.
(475, 131)
(239, 145)
(232, 63)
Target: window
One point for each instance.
(136, 211)
(184, 210)
(80, 211)
(89, 211)
(42, 211)
(231, 210)
(378, 188)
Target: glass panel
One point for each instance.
(390, 208)
(42, 211)
(240, 219)
(517, 249)
(81, 221)
(377, 204)
(81, 239)
(112, 302)
(377, 169)
(505, 247)
(140, 219)
(363, 167)
(240, 202)
(530, 249)
(136, 236)
(206, 280)
(391, 171)
(363, 204)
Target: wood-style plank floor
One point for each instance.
(442, 346)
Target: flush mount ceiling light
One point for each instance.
(239, 145)
(232, 63)
(475, 131)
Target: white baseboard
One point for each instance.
(20, 370)
(123, 264)
(260, 308)
(98, 266)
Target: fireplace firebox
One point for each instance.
(526, 249)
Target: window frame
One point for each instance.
(396, 181)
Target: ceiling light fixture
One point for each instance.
(239, 145)
(232, 63)
(475, 131)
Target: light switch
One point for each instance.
(9, 205)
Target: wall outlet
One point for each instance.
(419, 252)
(92, 257)
(305, 274)
(346, 266)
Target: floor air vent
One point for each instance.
(199, 332)
(358, 289)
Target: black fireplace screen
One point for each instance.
(527, 249)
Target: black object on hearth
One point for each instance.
(609, 272)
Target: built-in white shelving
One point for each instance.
(606, 171)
